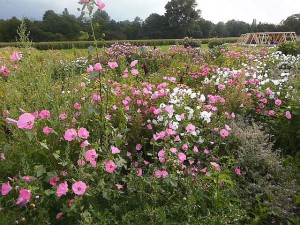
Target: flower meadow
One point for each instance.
(135, 135)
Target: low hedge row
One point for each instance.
(85, 44)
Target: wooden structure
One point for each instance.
(266, 38)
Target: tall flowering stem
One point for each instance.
(89, 4)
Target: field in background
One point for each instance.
(86, 44)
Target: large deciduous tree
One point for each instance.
(181, 16)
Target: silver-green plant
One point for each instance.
(23, 36)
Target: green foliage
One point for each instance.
(267, 184)
(215, 42)
(86, 44)
(23, 34)
(190, 42)
(290, 48)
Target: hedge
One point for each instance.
(86, 44)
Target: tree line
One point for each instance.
(181, 19)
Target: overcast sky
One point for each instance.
(270, 11)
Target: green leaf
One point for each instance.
(91, 49)
(40, 171)
(56, 156)
(49, 192)
(106, 195)
(44, 145)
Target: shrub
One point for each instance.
(190, 42)
(215, 42)
(290, 48)
(268, 185)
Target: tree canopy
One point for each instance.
(182, 18)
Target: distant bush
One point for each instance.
(290, 48)
(190, 42)
(215, 42)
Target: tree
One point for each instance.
(155, 26)
(206, 27)
(292, 23)
(236, 28)
(9, 28)
(219, 30)
(181, 16)
(101, 20)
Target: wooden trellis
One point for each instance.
(266, 38)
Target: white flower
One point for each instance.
(160, 118)
(206, 116)
(201, 140)
(178, 117)
(202, 98)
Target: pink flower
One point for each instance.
(24, 197)
(100, 5)
(177, 138)
(59, 215)
(173, 150)
(83, 133)
(89, 69)
(278, 102)
(216, 165)
(134, 72)
(97, 67)
(26, 121)
(224, 133)
(221, 86)
(195, 149)
(63, 116)
(190, 129)
(227, 127)
(70, 134)
(62, 189)
(133, 63)
(9, 120)
(85, 143)
(119, 186)
(203, 170)
(47, 130)
(288, 115)
(77, 106)
(110, 166)
(169, 109)
(115, 150)
(27, 178)
(80, 162)
(206, 152)
(2, 156)
(181, 156)
(112, 65)
(161, 173)
(54, 180)
(139, 172)
(184, 147)
(45, 114)
(79, 188)
(5, 189)
(237, 171)
(91, 156)
(138, 147)
(5, 71)
(16, 56)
